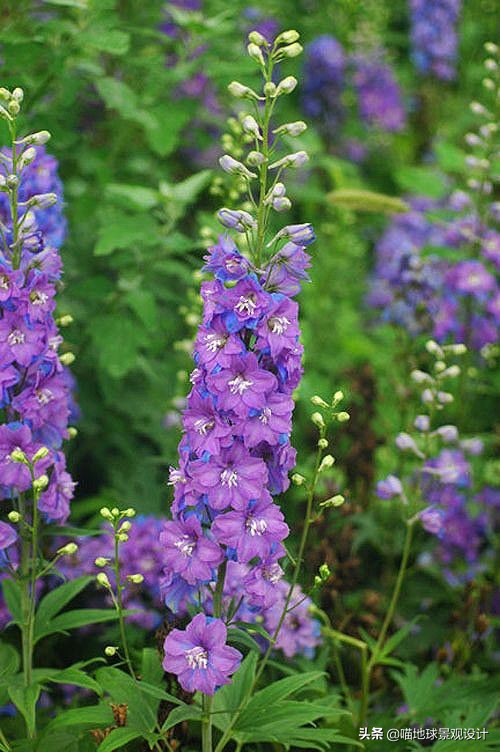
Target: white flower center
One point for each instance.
(239, 384)
(203, 425)
(256, 527)
(197, 657)
(278, 324)
(229, 478)
(214, 342)
(246, 305)
(38, 298)
(175, 476)
(185, 545)
(4, 282)
(44, 396)
(265, 415)
(16, 337)
(272, 574)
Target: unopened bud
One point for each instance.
(135, 578)
(343, 417)
(326, 463)
(72, 432)
(110, 651)
(292, 50)
(241, 92)
(255, 158)
(115, 512)
(233, 167)
(291, 129)
(14, 516)
(67, 358)
(322, 443)
(298, 479)
(298, 159)
(317, 419)
(43, 200)
(270, 89)
(286, 86)
(255, 37)
(18, 94)
(333, 501)
(14, 107)
(130, 512)
(106, 513)
(41, 483)
(17, 455)
(40, 454)
(68, 550)
(324, 571)
(337, 397)
(101, 561)
(37, 139)
(122, 537)
(102, 580)
(255, 53)
(250, 125)
(491, 48)
(318, 401)
(125, 527)
(287, 37)
(65, 320)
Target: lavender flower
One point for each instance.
(324, 71)
(434, 36)
(379, 96)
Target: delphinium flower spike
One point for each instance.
(434, 36)
(226, 536)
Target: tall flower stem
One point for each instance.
(368, 668)
(119, 606)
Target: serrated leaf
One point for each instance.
(163, 135)
(117, 95)
(398, 637)
(117, 340)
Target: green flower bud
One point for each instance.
(286, 86)
(115, 512)
(298, 479)
(41, 483)
(324, 572)
(40, 454)
(292, 50)
(241, 92)
(68, 550)
(67, 358)
(102, 580)
(65, 320)
(122, 537)
(72, 432)
(110, 651)
(256, 37)
(106, 513)
(17, 455)
(288, 37)
(14, 107)
(333, 501)
(125, 527)
(14, 516)
(343, 417)
(322, 443)
(130, 512)
(317, 419)
(101, 561)
(270, 89)
(318, 401)
(135, 578)
(18, 94)
(337, 397)
(326, 463)
(255, 53)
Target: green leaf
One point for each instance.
(9, 660)
(108, 40)
(276, 692)
(142, 710)
(369, 201)
(118, 738)
(180, 714)
(79, 617)
(397, 637)
(117, 95)
(151, 668)
(125, 231)
(57, 599)
(12, 596)
(422, 181)
(137, 196)
(25, 699)
(186, 191)
(117, 340)
(77, 678)
(163, 135)
(158, 692)
(143, 303)
(92, 716)
(81, 4)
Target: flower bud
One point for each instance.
(43, 200)
(65, 320)
(333, 501)
(318, 401)
(255, 158)
(255, 53)
(281, 204)
(451, 372)
(322, 443)
(286, 86)
(406, 443)
(14, 516)
(389, 488)
(343, 417)
(250, 125)
(457, 349)
(37, 139)
(445, 398)
(296, 160)
(291, 129)
(17, 455)
(317, 419)
(421, 377)
(122, 537)
(110, 651)
(478, 109)
(106, 513)
(101, 561)
(27, 157)
(422, 423)
(130, 512)
(298, 479)
(326, 463)
(102, 580)
(238, 220)
(136, 579)
(491, 48)
(5, 114)
(324, 571)
(41, 454)
(448, 433)
(270, 89)
(18, 94)
(72, 432)
(67, 358)
(68, 550)
(14, 107)
(292, 50)
(241, 92)
(41, 483)
(337, 397)
(287, 37)
(125, 527)
(5, 94)
(233, 167)
(433, 348)
(488, 84)
(255, 37)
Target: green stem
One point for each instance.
(119, 608)
(206, 724)
(3, 740)
(261, 209)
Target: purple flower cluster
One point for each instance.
(324, 81)
(35, 386)
(235, 453)
(378, 92)
(417, 288)
(434, 36)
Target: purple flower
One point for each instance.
(450, 466)
(324, 71)
(243, 385)
(206, 431)
(432, 520)
(279, 330)
(378, 92)
(8, 536)
(271, 423)
(199, 655)
(253, 531)
(389, 488)
(299, 633)
(188, 550)
(470, 278)
(434, 36)
(225, 261)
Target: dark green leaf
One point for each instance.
(118, 738)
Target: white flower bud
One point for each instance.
(445, 397)
(298, 479)
(233, 167)
(241, 92)
(18, 94)
(333, 501)
(270, 89)
(102, 580)
(491, 48)
(255, 37)
(40, 454)
(326, 463)
(67, 358)
(318, 401)
(322, 443)
(110, 651)
(37, 139)
(68, 550)
(250, 125)
(287, 37)
(286, 86)
(14, 516)
(292, 50)
(291, 129)
(106, 513)
(337, 397)
(343, 417)
(255, 53)
(298, 159)
(41, 483)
